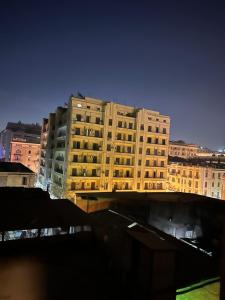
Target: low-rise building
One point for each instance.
(196, 176)
(182, 149)
(25, 153)
(16, 175)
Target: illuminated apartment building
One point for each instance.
(182, 149)
(93, 145)
(200, 178)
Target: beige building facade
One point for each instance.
(103, 146)
(202, 179)
(16, 175)
(25, 153)
(183, 150)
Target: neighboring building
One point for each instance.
(16, 175)
(197, 177)
(182, 149)
(104, 146)
(28, 132)
(25, 153)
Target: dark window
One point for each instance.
(149, 128)
(97, 133)
(142, 127)
(94, 172)
(106, 173)
(139, 162)
(117, 161)
(94, 159)
(164, 130)
(163, 142)
(108, 147)
(162, 163)
(117, 148)
(120, 124)
(156, 141)
(138, 186)
(140, 150)
(73, 186)
(95, 146)
(129, 137)
(147, 174)
(98, 120)
(74, 172)
(130, 125)
(88, 107)
(88, 119)
(85, 145)
(157, 129)
(154, 174)
(161, 174)
(29, 152)
(78, 117)
(163, 152)
(147, 163)
(141, 138)
(77, 131)
(149, 140)
(128, 161)
(110, 122)
(139, 174)
(75, 158)
(24, 181)
(148, 151)
(127, 173)
(85, 159)
(109, 135)
(107, 160)
(119, 136)
(76, 145)
(129, 149)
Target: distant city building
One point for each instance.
(93, 145)
(16, 175)
(28, 132)
(182, 149)
(25, 153)
(199, 177)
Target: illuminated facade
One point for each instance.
(183, 150)
(103, 146)
(201, 179)
(25, 153)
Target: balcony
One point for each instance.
(59, 158)
(86, 161)
(85, 175)
(57, 170)
(87, 135)
(88, 122)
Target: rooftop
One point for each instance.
(27, 128)
(13, 167)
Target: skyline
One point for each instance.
(167, 57)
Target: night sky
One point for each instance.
(163, 55)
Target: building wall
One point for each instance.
(17, 179)
(25, 153)
(187, 179)
(200, 180)
(183, 150)
(106, 146)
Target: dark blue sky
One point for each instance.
(164, 55)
